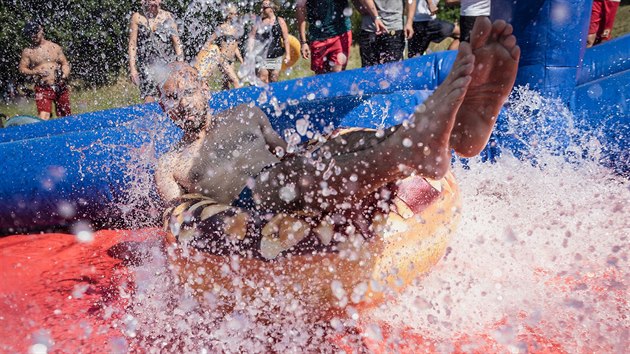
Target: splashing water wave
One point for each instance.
(540, 260)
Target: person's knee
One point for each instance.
(263, 75)
(337, 68)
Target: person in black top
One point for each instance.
(270, 43)
(153, 43)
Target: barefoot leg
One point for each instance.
(355, 165)
(496, 62)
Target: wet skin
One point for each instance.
(363, 161)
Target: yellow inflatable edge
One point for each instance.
(406, 246)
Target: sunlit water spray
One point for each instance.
(540, 256)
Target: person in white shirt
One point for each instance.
(470, 10)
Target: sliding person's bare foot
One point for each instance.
(427, 140)
(496, 62)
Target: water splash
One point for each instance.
(539, 261)
(139, 204)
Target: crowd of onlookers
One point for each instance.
(387, 29)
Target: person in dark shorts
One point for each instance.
(45, 62)
(384, 29)
(427, 28)
(329, 33)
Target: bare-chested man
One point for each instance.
(45, 62)
(236, 155)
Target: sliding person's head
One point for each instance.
(184, 97)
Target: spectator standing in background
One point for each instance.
(271, 43)
(427, 28)
(602, 21)
(153, 43)
(470, 10)
(224, 46)
(384, 29)
(329, 33)
(45, 62)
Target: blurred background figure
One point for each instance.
(222, 50)
(470, 10)
(428, 28)
(45, 62)
(329, 33)
(153, 43)
(603, 16)
(269, 43)
(385, 25)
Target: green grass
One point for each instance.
(124, 93)
(622, 21)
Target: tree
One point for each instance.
(92, 33)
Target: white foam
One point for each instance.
(525, 234)
(542, 248)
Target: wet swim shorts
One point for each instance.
(330, 52)
(603, 19)
(223, 230)
(45, 95)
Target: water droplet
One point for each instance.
(83, 232)
(301, 125)
(85, 236)
(595, 91)
(38, 349)
(337, 289)
(66, 209)
(262, 98)
(288, 193)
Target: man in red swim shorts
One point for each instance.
(329, 33)
(602, 21)
(46, 63)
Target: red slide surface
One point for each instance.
(71, 296)
(59, 292)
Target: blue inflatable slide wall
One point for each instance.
(81, 162)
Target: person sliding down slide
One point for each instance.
(237, 152)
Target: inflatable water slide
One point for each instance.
(80, 161)
(84, 169)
